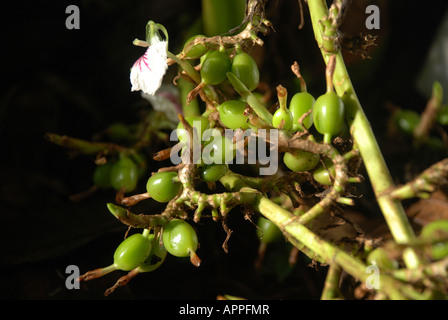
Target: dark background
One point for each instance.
(76, 82)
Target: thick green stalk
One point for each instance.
(220, 16)
(366, 141)
(249, 98)
(331, 289)
(314, 246)
(191, 109)
(186, 66)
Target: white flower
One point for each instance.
(148, 71)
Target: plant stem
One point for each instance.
(330, 253)
(363, 135)
(145, 232)
(331, 288)
(425, 183)
(282, 95)
(85, 146)
(314, 246)
(186, 66)
(248, 97)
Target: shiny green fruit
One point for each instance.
(218, 149)
(101, 175)
(198, 122)
(407, 120)
(380, 258)
(132, 252)
(213, 172)
(179, 238)
(124, 175)
(267, 231)
(156, 257)
(282, 119)
(162, 187)
(300, 104)
(300, 161)
(437, 229)
(442, 115)
(322, 174)
(231, 114)
(246, 69)
(195, 51)
(328, 114)
(120, 132)
(215, 67)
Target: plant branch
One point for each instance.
(331, 287)
(426, 183)
(85, 147)
(328, 252)
(319, 249)
(363, 135)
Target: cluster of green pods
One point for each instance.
(146, 251)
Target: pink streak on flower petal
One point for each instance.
(142, 59)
